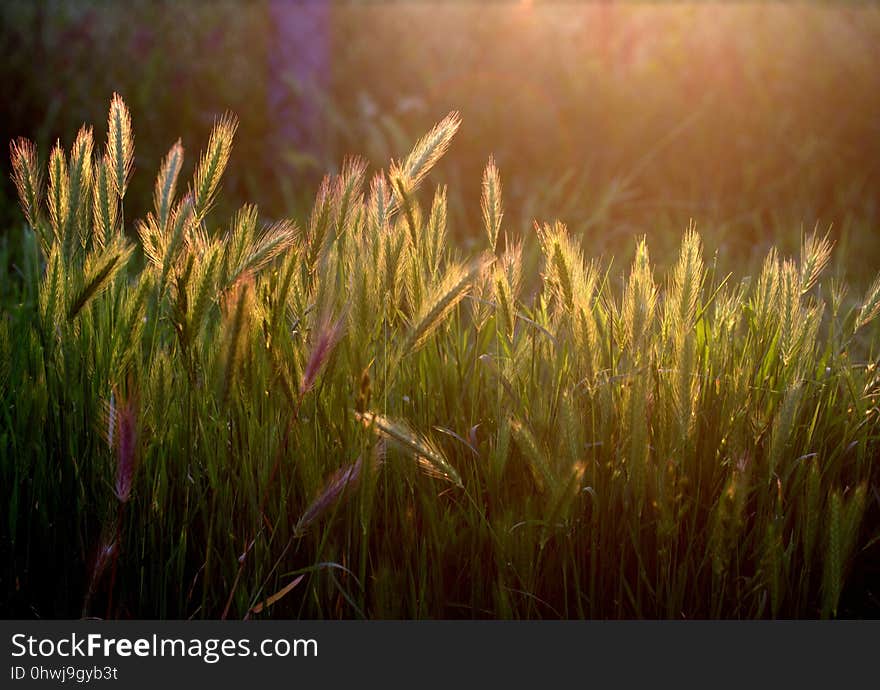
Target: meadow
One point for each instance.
(349, 419)
(601, 342)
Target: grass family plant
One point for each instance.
(346, 417)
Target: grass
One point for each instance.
(347, 418)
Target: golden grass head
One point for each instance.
(815, 255)
(59, 190)
(166, 183)
(105, 209)
(491, 203)
(428, 456)
(120, 144)
(870, 305)
(212, 164)
(27, 178)
(427, 151)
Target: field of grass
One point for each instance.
(349, 416)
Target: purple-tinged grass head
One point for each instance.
(329, 333)
(127, 447)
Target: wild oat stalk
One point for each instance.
(491, 203)
(571, 283)
(28, 178)
(181, 222)
(152, 239)
(339, 487)
(202, 292)
(391, 260)
(319, 224)
(639, 303)
(348, 192)
(120, 144)
(59, 192)
(273, 241)
(536, 458)
(105, 209)
(436, 245)
(506, 281)
(80, 187)
(815, 255)
(424, 156)
(327, 335)
(429, 457)
(681, 311)
(100, 269)
(791, 322)
(166, 183)
(238, 310)
(438, 303)
(52, 296)
(765, 302)
(870, 305)
(380, 202)
(212, 164)
(127, 446)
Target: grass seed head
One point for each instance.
(28, 178)
(120, 144)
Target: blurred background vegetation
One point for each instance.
(756, 120)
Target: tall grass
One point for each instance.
(347, 418)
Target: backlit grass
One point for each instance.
(346, 417)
